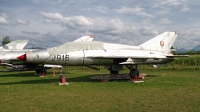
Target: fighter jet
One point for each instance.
(114, 56)
(9, 52)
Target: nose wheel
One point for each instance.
(134, 72)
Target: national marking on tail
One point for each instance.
(161, 42)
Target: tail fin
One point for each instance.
(17, 44)
(84, 38)
(161, 42)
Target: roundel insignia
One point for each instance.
(161, 43)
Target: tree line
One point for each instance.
(190, 52)
(5, 40)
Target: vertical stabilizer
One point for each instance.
(84, 38)
(161, 42)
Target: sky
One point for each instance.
(49, 23)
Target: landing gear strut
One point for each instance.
(134, 72)
(114, 68)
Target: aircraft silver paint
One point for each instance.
(154, 51)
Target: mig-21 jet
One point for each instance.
(155, 51)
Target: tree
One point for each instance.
(191, 52)
(6, 40)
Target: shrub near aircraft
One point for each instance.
(155, 51)
(12, 50)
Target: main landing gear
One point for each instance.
(41, 72)
(115, 68)
(134, 72)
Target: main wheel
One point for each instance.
(134, 72)
(39, 71)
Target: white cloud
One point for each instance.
(137, 11)
(47, 21)
(70, 21)
(22, 22)
(129, 10)
(171, 2)
(52, 15)
(101, 9)
(184, 8)
(3, 20)
(104, 28)
(33, 33)
(79, 20)
(168, 3)
(103, 25)
(148, 31)
(4, 15)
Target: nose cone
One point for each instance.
(22, 57)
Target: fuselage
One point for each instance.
(100, 54)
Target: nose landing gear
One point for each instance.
(134, 72)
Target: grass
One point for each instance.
(163, 90)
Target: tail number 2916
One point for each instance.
(61, 58)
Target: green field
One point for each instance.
(163, 90)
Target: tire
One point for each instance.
(38, 71)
